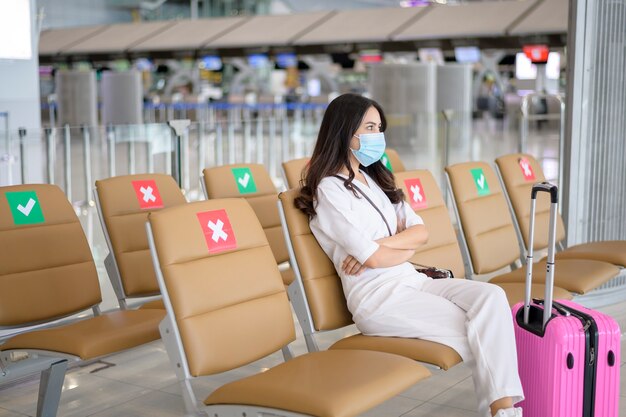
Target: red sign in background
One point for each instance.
(538, 54)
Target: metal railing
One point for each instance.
(5, 154)
(73, 157)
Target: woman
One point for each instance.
(385, 294)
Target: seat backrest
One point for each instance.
(46, 267)
(252, 182)
(295, 171)
(424, 196)
(392, 160)
(225, 290)
(484, 216)
(519, 172)
(322, 285)
(125, 202)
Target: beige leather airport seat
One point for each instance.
(442, 249)
(124, 203)
(319, 303)
(294, 171)
(392, 160)
(489, 234)
(252, 182)
(227, 307)
(518, 173)
(47, 273)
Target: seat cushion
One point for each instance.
(334, 383)
(288, 276)
(515, 292)
(611, 251)
(154, 304)
(420, 350)
(574, 275)
(93, 337)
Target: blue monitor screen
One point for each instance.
(211, 62)
(144, 64)
(467, 54)
(286, 60)
(258, 60)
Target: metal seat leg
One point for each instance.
(50, 387)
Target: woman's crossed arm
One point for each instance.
(392, 250)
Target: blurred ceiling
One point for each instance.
(506, 24)
(305, 6)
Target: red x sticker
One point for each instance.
(217, 230)
(417, 198)
(527, 170)
(147, 194)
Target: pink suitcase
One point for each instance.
(568, 356)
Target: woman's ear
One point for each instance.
(355, 143)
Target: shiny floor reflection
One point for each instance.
(142, 383)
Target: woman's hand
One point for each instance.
(353, 267)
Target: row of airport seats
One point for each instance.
(123, 213)
(51, 275)
(494, 223)
(122, 216)
(47, 273)
(316, 293)
(492, 228)
(518, 172)
(197, 316)
(227, 306)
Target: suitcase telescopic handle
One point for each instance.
(554, 198)
(548, 188)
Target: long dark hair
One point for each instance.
(332, 151)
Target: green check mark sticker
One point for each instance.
(25, 207)
(385, 160)
(245, 180)
(480, 181)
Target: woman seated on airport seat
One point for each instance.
(385, 294)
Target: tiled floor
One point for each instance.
(142, 383)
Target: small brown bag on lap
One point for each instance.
(432, 272)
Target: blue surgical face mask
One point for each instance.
(372, 148)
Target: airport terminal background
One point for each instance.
(88, 91)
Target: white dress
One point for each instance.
(472, 317)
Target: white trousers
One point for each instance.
(472, 317)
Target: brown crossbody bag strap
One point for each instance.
(369, 200)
